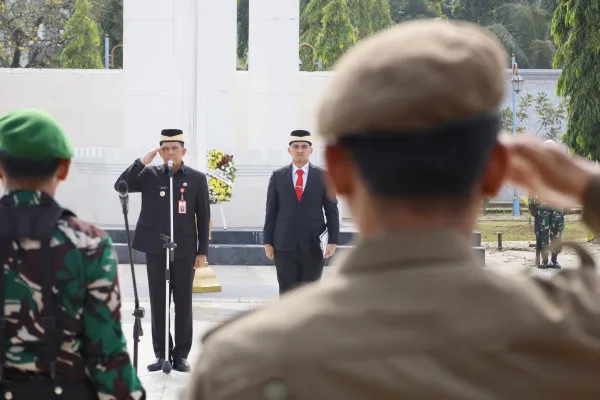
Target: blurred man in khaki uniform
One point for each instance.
(411, 128)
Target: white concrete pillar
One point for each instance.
(154, 48)
(186, 59)
(273, 65)
(216, 35)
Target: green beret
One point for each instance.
(35, 135)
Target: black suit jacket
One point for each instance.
(292, 224)
(154, 219)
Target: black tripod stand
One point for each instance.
(138, 311)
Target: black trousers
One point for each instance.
(297, 267)
(182, 279)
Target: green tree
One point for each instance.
(337, 33)
(310, 27)
(243, 18)
(366, 17)
(30, 32)
(108, 14)
(576, 33)
(406, 10)
(549, 121)
(524, 27)
(82, 36)
(482, 12)
(381, 15)
(331, 27)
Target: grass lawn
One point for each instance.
(521, 231)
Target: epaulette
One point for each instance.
(226, 323)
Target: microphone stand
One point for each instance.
(170, 247)
(138, 311)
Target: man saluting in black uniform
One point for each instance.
(191, 208)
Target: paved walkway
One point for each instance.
(246, 287)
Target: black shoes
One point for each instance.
(179, 364)
(156, 365)
(551, 264)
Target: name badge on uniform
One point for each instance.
(182, 204)
(182, 207)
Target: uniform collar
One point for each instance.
(183, 169)
(27, 198)
(407, 249)
(304, 168)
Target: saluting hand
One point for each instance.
(559, 179)
(147, 159)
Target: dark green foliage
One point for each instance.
(83, 42)
(549, 117)
(108, 14)
(576, 32)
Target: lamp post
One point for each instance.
(106, 50)
(517, 84)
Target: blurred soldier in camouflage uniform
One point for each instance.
(81, 354)
(550, 226)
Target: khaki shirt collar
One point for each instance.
(409, 248)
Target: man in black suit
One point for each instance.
(296, 198)
(191, 216)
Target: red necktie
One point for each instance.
(299, 184)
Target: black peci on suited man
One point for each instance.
(191, 205)
(296, 199)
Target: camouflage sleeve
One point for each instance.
(105, 347)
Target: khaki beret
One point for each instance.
(412, 76)
(33, 135)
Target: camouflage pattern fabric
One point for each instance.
(87, 306)
(552, 222)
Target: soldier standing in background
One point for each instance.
(59, 288)
(549, 226)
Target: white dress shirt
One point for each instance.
(295, 175)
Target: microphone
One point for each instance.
(170, 164)
(122, 188)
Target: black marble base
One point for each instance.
(219, 254)
(241, 247)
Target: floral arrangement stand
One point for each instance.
(205, 279)
(221, 171)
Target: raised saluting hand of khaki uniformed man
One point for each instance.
(560, 179)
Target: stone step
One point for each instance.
(242, 247)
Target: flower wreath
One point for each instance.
(221, 172)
